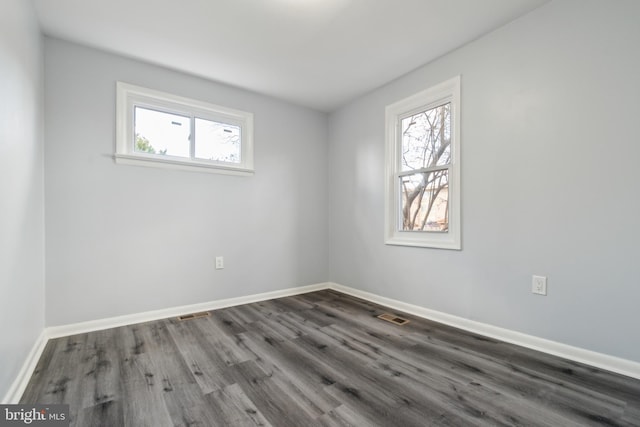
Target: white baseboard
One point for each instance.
(20, 383)
(598, 360)
(130, 319)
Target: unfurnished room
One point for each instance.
(319, 213)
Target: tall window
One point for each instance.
(423, 168)
(163, 130)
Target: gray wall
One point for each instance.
(21, 188)
(550, 181)
(127, 239)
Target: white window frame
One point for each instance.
(129, 96)
(448, 91)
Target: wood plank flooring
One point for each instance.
(319, 359)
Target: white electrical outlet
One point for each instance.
(539, 285)
(219, 263)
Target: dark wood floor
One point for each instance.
(319, 359)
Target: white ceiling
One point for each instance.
(316, 53)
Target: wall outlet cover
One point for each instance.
(539, 285)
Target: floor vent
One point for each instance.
(393, 319)
(194, 315)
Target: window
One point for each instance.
(423, 168)
(163, 130)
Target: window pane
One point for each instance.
(161, 133)
(426, 139)
(425, 201)
(217, 141)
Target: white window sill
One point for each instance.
(185, 165)
(441, 241)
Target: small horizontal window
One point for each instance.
(163, 130)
